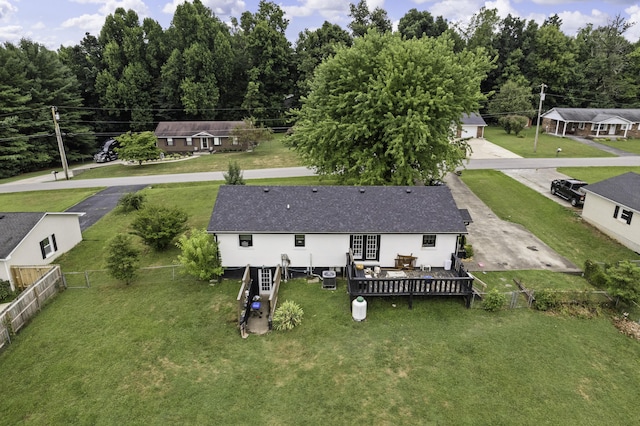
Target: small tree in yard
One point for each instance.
(158, 226)
(234, 175)
(513, 123)
(138, 147)
(200, 255)
(122, 258)
(131, 201)
(249, 135)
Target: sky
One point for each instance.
(55, 23)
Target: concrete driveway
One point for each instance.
(499, 245)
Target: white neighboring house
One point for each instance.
(613, 206)
(314, 227)
(35, 239)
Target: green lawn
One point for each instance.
(629, 145)
(168, 352)
(38, 201)
(547, 144)
(596, 174)
(271, 154)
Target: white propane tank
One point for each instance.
(447, 265)
(359, 308)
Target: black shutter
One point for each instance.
(615, 212)
(377, 247)
(629, 216)
(53, 241)
(44, 254)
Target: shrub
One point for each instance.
(5, 290)
(468, 248)
(131, 201)
(200, 255)
(595, 274)
(158, 226)
(494, 301)
(546, 299)
(287, 316)
(234, 175)
(122, 258)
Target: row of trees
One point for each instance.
(135, 73)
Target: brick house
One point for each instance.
(592, 122)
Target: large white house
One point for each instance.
(315, 227)
(613, 206)
(35, 239)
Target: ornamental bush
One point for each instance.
(158, 226)
(494, 301)
(287, 316)
(131, 201)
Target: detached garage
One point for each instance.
(472, 126)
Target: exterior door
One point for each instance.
(365, 247)
(204, 143)
(265, 280)
(612, 129)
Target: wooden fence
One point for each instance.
(29, 303)
(24, 276)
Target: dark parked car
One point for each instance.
(569, 189)
(107, 153)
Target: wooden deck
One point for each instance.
(413, 282)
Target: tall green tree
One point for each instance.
(371, 117)
(122, 258)
(313, 47)
(270, 62)
(200, 255)
(512, 99)
(362, 20)
(421, 24)
(199, 70)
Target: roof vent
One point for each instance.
(288, 206)
(266, 189)
(314, 190)
(408, 190)
(362, 190)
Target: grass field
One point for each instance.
(630, 145)
(547, 144)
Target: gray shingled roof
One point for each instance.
(15, 226)
(177, 129)
(622, 189)
(590, 115)
(335, 209)
(472, 119)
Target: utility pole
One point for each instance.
(63, 156)
(535, 141)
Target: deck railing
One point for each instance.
(461, 285)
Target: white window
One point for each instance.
(581, 125)
(169, 141)
(299, 240)
(189, 141)
(623, 215)
(365, 247)
(235, 140)
(48, 246)
(217, 141)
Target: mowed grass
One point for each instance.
(270, 154)
(559, 227)
(547, 145)
(168, 352)
(629, 145)
(41, 201)
(596, 174)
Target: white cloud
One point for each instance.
(6, 9)
(328, 9)
(572, 21)
(12, 33)
(633, 33)
(93, 23)
(503, 6)
(221, 8)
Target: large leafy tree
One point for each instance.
(383, 110)
(363, 20)
(270, 61)
(421, 24)
(138, 147)
(512, 99)
(198, 72)
(313, 47)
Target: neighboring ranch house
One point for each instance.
(471, 126)
(198, 136)
(613, 206)
(35, 239)
(592, 122)
(310, 229)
